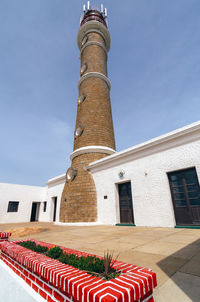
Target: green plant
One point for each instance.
(41, 249)
(31, 245)
(102, 268)
(89, 263)
(109, 271)
(55, 252)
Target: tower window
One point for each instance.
(78, 131)
(13, 206)
(71, 174)
(81, 98)
(84, 68)
(84, 40)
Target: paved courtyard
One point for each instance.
(174, 254)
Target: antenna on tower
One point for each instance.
(84, 8)
(106, 15)
(102, 8)
(88, 5)
(105, 12)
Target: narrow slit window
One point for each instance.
(84, 68)
(84, 40)
(78, 131)
(45, 206)
(81, 98)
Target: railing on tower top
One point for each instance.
(92, 15)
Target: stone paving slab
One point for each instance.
(169, 248)
(192, 267)
(172, 253)
(169, 267)
(181, 238)
(180, 288)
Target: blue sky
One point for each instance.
(154, 69)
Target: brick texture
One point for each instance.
(79, 202)
(79, 196)
(61, 280)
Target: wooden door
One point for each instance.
(185, 192)
(55, 208)
(34, 211)
(125, 203)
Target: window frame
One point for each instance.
(10, 204)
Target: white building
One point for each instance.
(133, 186)
(152, 184)
(19, 203)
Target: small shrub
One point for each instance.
(31, 245)
(69, 259)
(89, 263)
(54, 252)
(102, 268)
(41, 249)
(109, 271)
(28, 244)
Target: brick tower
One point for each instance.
(94, 135)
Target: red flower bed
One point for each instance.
(4, 236)
(67, 283)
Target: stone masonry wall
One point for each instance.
(79, 203)
(94, 114)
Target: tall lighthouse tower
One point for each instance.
(93, 135)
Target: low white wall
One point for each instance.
(152, 202)
(25, 195)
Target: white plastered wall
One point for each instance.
(55, 188)
(25, 195)
(152, 202)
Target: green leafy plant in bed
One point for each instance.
(31, 245)
(55, 252)
(102, 268)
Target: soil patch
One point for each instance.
(21, 232)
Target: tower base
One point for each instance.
(79, 200)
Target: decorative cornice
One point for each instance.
(58, 179)
(161, 143)
(92, 149)
(93, 26)
(94, 43)
(94, 74)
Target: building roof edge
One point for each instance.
(166, 138)
(56, 179)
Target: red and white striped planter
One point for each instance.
(4, 236)
(56, 281)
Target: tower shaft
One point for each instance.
(94, 135)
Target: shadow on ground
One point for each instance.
(186, 277)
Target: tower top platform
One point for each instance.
(93, 15)
(93, 19)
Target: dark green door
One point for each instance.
(185, 192)
(125, 203)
